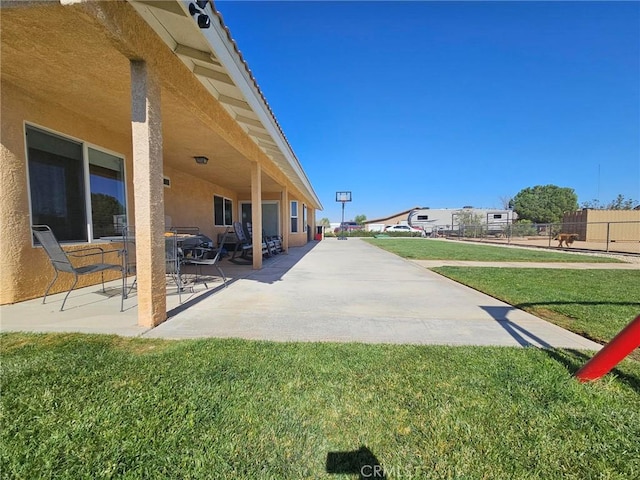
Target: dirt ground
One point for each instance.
(632, 248)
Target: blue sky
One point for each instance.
(446, 104)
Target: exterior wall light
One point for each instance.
(198, 9)
(201, 160)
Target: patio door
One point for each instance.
(270, 216)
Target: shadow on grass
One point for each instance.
(361, 462)
(574, 360)
(520, 334)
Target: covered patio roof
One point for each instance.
(142, 79)
(193, 106)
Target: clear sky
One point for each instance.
(446, 104)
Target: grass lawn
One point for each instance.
(427, 249)
(596, 304)
(79, 406)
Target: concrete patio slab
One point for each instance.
(350, 291)
(342, 291)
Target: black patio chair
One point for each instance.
(61, 262)
(276, 241)
(268, 247)
(243, 244)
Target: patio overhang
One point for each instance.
(214, 58)
(210, 103)
(69, 65)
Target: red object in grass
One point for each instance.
(612, 353)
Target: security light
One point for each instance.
(197, 9)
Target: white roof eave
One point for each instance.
(222, 46)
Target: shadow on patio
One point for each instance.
(89, 310)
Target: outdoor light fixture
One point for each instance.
(201, 160)
(198, 9)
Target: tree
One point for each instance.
(468, 218)
(506, 202)
(470, 223)
(545, 203)
(360, 219)
(325, 222)
(103, 208)
(620, 203)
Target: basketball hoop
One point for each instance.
(343, 197)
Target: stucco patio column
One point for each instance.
(256, 214)
(286, 219)
(146, 130)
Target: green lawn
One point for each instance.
(594, 303)
(427, 249)
(78, 406)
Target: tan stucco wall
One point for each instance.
(600, 225)
(189, 202)
(117, 31)
(300, 238)
(26, 270)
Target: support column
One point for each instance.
(256, 214)
(146, 130)
(311, 212)
(286, 219)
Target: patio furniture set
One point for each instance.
(184, 246)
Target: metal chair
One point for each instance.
(129, 257)
(61, 262)
(200, 260)
(173, 261)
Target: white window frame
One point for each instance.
(224, 211)
(304, 217)
(264, 202)
(292, 216)
(87, 176)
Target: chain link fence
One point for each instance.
(618, 237)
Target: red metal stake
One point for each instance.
(612, 353)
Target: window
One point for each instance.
(497, 215)
(222, 211)
(106, 180)
(423, 217)
(304, 217)
(79, 191)
(294, 217)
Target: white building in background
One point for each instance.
(444, 219)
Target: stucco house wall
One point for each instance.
(93, 44)
(26, 270)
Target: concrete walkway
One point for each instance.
(333, 290)
(350, 291)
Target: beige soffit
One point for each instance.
(214, 58)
